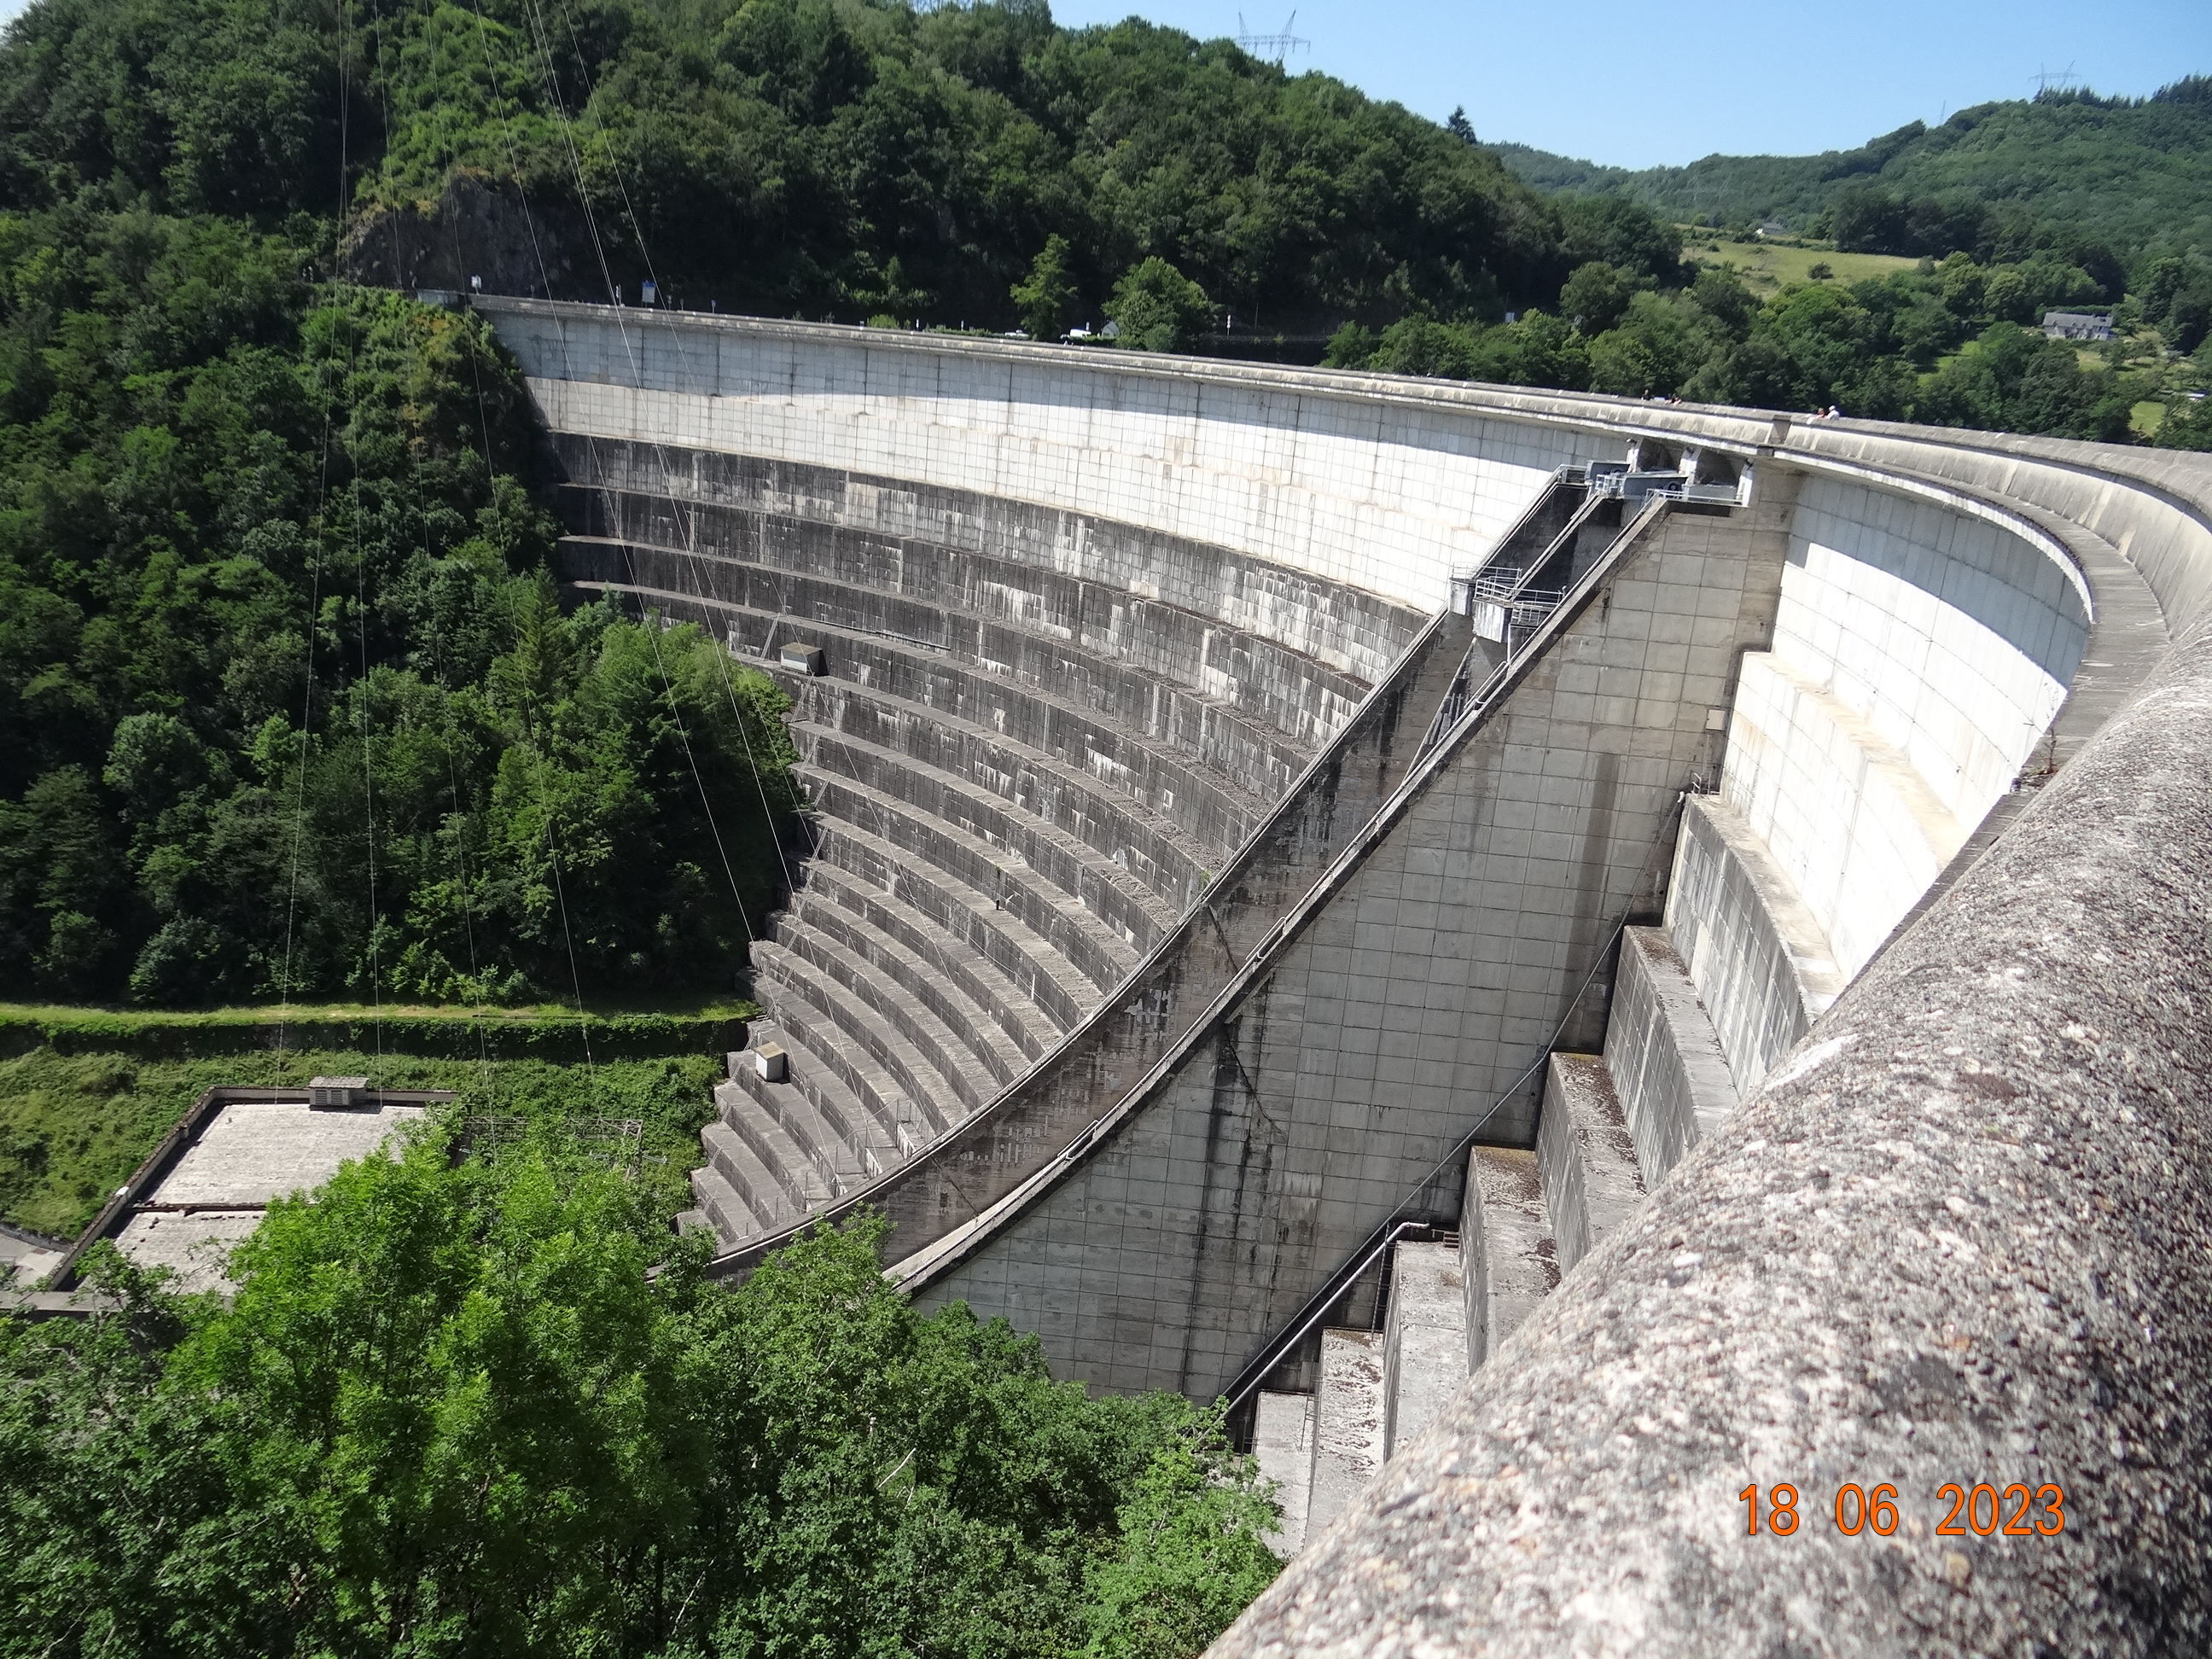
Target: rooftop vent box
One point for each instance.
(804, 658)
(770, 1061)
(327, 1091)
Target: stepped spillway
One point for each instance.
(1028, 743)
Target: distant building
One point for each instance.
(2077, 325)
(1772, 228)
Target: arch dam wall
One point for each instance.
(1255, 809)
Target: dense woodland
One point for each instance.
(447, 1413)
(286, 705)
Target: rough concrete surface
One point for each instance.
(1282, 1443)
(194, 1245)
(1424, 1339)
(1586, 1156)
(1506, 1252)
(26, 1259)
(1347, 1432)
(258, 1151)
(1963, 1233)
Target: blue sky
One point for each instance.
(1638, 85)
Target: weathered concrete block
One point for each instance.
(1587, 1156)
(1663, 1056)
(1349, 1435)
(1509, 1262)
(1424, 1339)
(1282, 1443)
(1762, 963)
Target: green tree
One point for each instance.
(1350, 347)
(2186, 426)
(1158, 308)
(1595, 296)
(1047, 296)
(449, 1411)
(1190, 1557)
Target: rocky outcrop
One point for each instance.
(479, 227)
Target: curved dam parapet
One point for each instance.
(1303, 868)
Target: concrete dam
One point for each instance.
(1565, 955)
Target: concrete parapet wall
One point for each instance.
(1369, 495)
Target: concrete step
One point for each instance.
(1663, 1055)
(1508, 1262)
(812, 1025)
(1112, 821)
(998, 874)
(961, 1040)
(1587, 1156)
(725, 1209)
(1348, 1423)
(1282, 1443)
(788, 1132)
(1140, 669)
(767, 1170)
(905, 941)
(799, 989)
(1060, 992)
(1119, 904)
(837, 1129)
(1424, 1339)
(928, 1056)
(1074, 715)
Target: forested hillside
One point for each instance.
(286, 704)
(792, 156)
(2136, 173)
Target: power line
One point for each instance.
(1276, 46)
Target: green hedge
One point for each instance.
(557, 1036)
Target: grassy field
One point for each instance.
(1769, 267)
(74, 1126)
